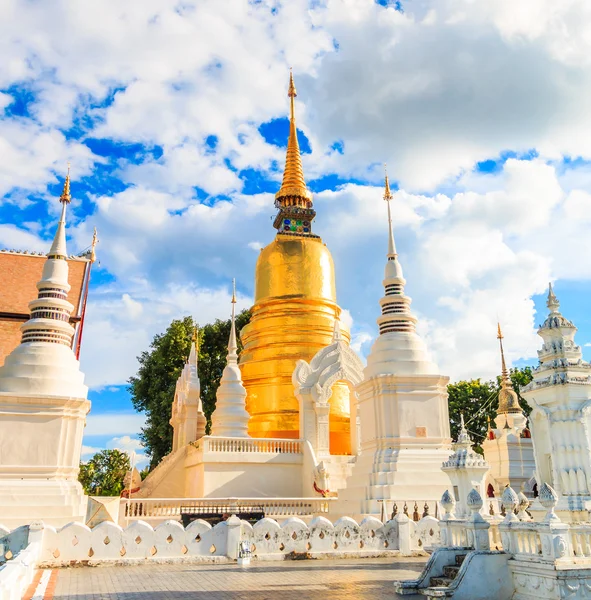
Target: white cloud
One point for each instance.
(115, 423)
(89, 451)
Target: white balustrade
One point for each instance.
(249, 445)
(172, 508)
(580, 536)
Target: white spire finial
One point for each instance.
(552, 302)
(388, 198)
(232, 345)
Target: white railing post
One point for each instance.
(404, 541)
(234, 536)
(476, 526)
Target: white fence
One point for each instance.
(140, 542)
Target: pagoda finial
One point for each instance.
(58, 246)
(93, 244)
(232, 345)
(508, 401)
(552, 302)
(66, 197)
(388, 198)
(194, 353)
(504, 373)
(294, 184)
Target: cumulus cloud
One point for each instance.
(441, 86)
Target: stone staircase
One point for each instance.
(439, 584)
(462, 574)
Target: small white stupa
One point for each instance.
(466, 470)
(402, 408)
(187, 419)
(230, 418)
(43, 405)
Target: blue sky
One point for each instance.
(174, 118)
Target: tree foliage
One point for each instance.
(103, 474)
(152, 388)
(477, 400)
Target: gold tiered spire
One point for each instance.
(508, 401)
(66, 197)
(294, 184)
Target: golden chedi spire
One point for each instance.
(508, 401)
(293, 316)
(293, 200)
(66, 196)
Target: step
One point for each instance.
(440, 581)
(451, 571)
(436, 592)
(460, 559)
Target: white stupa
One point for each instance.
(230, 418)
(560, 421)
(43, 405)
(402, 408)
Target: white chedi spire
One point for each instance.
(398, 349)
(561, 359)
(230, 418)
(44, 363)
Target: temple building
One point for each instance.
(302, 418)
(560, 421)
(508, 447)
(294, 311)
(43, 404)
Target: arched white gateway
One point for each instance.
(313, 388)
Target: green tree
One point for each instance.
(477, 400)
(152, 388)
(103, 474)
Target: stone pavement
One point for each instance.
(360, 579)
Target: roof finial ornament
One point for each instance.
(93, 244)
(388, 198)
(66, 197)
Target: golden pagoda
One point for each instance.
(293, 314)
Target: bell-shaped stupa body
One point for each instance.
(293, 314)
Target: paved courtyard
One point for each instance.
(361, 579)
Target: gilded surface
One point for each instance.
(293, 317)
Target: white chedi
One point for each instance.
(44, 362)
(230, 418)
